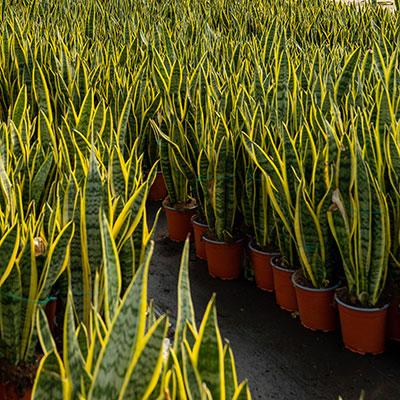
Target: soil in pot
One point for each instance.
(16, 382)
(261, 260)
(224, 259)
(317, 307)
(393, 318)
(178, 219)
(363, 328)
(284, 288)
(199, 227)
(158, 189)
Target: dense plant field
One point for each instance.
(277, 119)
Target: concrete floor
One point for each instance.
(280, 358)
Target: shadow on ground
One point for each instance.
(280, 358)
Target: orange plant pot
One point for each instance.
(393, 320)
(198, 229)
(261, 261)
(179, 225)
(158, 190)
(224, 260)
(284, 289)
(317, 307)
(363, 329)
(50, 310)
(8, 392)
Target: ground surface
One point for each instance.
(281, 359)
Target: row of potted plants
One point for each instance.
(325, 196)
(294, 291)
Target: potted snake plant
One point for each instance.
(315, 283)
(360, 224)
(186, 156)
(158, 189)
(216, 171)
(262, 248)
(281, 190)
(179, 206)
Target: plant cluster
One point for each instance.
(277, 117)
(126, 358)
(291, 130)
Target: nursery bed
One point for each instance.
(281, 359)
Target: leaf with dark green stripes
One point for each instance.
(42, 92)
(126, 332)
(345, 79)
(56, 259)
(20, 107)
(10, 306)
(112, 275)
(229, 372)
(142, 376)
(39, 181)
(93, 199)
(9, 245)
(74, 362)
(185, 305)
(44, 333)
(50, 378)
(190, 374)
(208, 351)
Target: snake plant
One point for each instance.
(216, 171)
(124, 358)
(282, 191)
(92, 93)
(257, 205)
(360, 223)
(33, 258)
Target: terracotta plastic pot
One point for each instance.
(317, 307)
(198, 229)
(393, 319)
(50, 310)
(179, 225)
(158, 190)
(224, 260)
(262, 267)
(284, 289)
(363, 329)
(8, 392)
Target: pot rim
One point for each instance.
(314, 289)
(196, 222)
(223, 243)
(360, 308)
(262, 252)
(174, 209)
(146, 173)
(281, 268)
